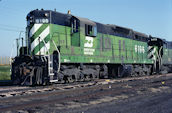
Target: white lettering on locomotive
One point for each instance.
(88, 51)
(88, 45)
(89, 42)
(139, 49)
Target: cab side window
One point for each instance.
(75, 25)
(90, 30)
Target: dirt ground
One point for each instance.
(142, 95)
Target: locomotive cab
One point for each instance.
(80, 26)
(156, 52)
(39, 63)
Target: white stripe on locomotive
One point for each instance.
(42, 36)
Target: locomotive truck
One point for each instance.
(62, 48)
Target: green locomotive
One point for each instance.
(66, 48)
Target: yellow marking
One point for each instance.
(107, 80)
(163, 82)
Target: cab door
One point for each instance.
(75, 32)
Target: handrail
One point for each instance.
(11, 57)
(45, 46)
(160, 60)
(12, 52)
(48, 55)
(58, 56)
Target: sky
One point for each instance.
(152, 17)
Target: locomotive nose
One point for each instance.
(38, 25)
(39, 39)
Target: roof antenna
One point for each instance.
(69, 12)
(55, 9)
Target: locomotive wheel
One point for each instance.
(81, 77)
(120, 72)
(87, 78)
(70, 79)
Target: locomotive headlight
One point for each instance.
(31, 19)
(46, 14)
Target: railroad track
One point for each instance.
(12, 91)
(83, 92)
